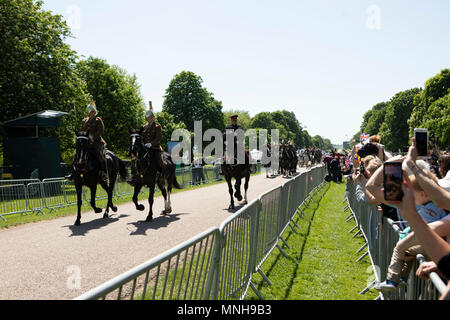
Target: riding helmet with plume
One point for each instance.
(150, 111)
(91, 106)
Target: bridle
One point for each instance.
(80, 163)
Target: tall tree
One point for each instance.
(437, 121)
(394, 131)
(117, 96)
(168, 125)
(375, 120)
(37, 68)
(187, 101)
(431, 103)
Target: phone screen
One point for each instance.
(422, 144)
(393, 179)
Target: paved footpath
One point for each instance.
(39, 260)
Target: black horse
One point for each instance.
(86, 173)
(236, 171)
(147, 173)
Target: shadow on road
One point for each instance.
(85, 227)
(159, 222)
(236, 208)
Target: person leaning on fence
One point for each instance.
(432, 243)
(403, 255)
(375, 139)
(429, 236)
(438, 194)
(371, 164)
(334, 168)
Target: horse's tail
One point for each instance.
(123, 172)
(175, 182)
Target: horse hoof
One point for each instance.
(140, 207)
(77, 223)
(149, 219)
(166, 211)
(114, 209)
(98, 210)
(105, 216)
(239, 197)
(231, 207)
(245, 202)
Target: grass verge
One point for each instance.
(322, 256)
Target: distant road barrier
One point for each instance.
(219, 263)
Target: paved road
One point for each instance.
(41, 260)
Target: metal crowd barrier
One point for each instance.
(26, 196)
(381, 235)
(226, 257)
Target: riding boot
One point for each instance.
(103, 169)
(70, 176)
(148, 158)
(161, 162)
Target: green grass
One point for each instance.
(322, 257)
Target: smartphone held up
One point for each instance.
(421, 136)
(392, 181)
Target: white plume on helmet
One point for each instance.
(91, 106)
(150, 111)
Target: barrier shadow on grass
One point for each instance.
(312, 207)
(161, 221)
(95, 224)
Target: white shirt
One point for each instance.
(445, 182)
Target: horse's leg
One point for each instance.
(93, 189)
(237, 187)
(247, 178)
(150, 202)
(109, 204)
(164, 193)
(112, 183)
(230, 191)
(169, 191)
(79, 203)
(137, 189)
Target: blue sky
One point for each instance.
(327, 61)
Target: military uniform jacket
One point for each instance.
(236, 127)
(94, 127)
(152, 133)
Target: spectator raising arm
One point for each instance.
(435, 192)
(435, 247)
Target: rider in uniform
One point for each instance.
(94, 127)
(151, 137)
(235, 126)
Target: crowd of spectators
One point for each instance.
(422, 214)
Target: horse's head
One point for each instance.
(136, 142)
(82, 149)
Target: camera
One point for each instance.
(367, 150)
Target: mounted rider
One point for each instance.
(95, 127)
(151, 137)
(235, 126)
